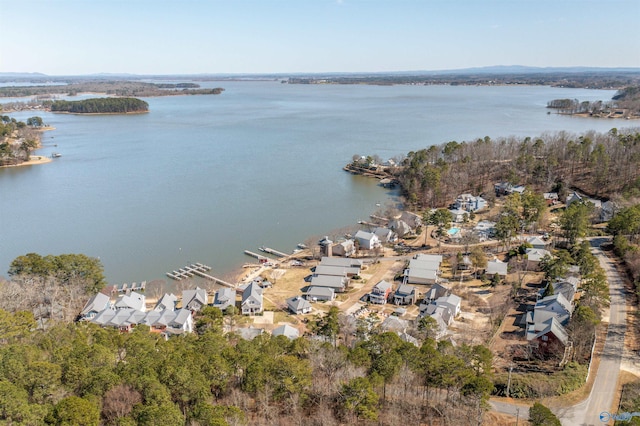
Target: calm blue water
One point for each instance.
(202, 178)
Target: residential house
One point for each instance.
(553, 306)
(338, 271)
(413, 220)
(345, 248)
(94, 305)
(380, 292)
(194, 299)
(297, 305)
(535, 256)
(400, 227)
(420, 276)
(169, 321)
(394, 324)
(336, 261)
(132, 300)
(451, 301)
(485, 229)
(337, 283)
(537, 243)
(549, 336)
(224, 298)
(506, 188)
(405, 295)
(469, 203)
(367, 240)
(567, 286)
(436, 291)
(429, 257)
(317, 294)
(458, 215)
(444, 313)
(167, 301)
(252, 300)
(385, 235)
(287, 331)
(497, 267)
(249, 333)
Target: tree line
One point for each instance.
(79, 373)
(18, 139)
(99, 106)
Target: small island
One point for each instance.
(18, 139)
(99, 106)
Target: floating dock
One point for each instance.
(196, 269)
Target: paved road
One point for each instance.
(600, 399)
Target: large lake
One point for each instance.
(202, 178)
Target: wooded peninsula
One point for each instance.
(99, 106)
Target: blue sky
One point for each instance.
(62, 37)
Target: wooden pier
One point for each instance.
(260, 257)
(273, 251)
(196, 269)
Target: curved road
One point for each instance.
(605, 386)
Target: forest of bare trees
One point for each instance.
(599, 164)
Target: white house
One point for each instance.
(97, 303)
(194, 299)
(167, 301)
(297, 305)
(132, 300)
(317, 294)
(252, 300)
(367, 240)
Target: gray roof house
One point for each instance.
(132, 300)
(412, 219)
(194, 299)
(537, 243)
(497, 267)
(385, 235)
(297, 305)
(252, 300)
(400, 227)
(224, 298)
(340, 271)
(320, 294)
(287, 331)
(443, 312)
(420, 276)
(435, 292)
(451, 301)
(536, 255)
(553, 306)
(97, 303)
(380, 292)
(339, 261)
(405, 295)
(338, 284)
(167, 301)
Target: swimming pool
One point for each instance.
(453, 231)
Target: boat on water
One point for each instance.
(56, 155)
(302, 246)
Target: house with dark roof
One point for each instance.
(405, 295)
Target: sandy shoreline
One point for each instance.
(35, 159)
